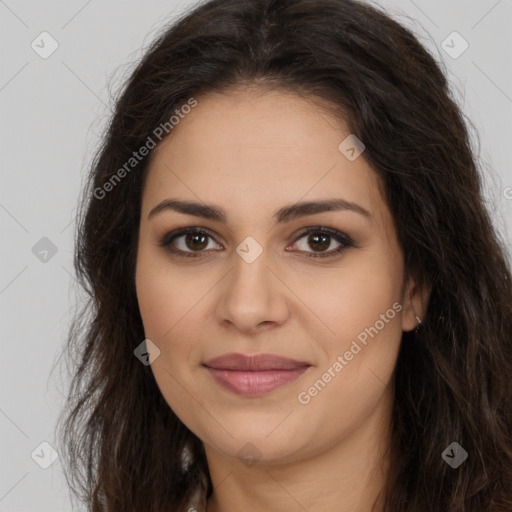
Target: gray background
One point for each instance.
(52, 114)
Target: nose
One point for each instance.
(253, 297)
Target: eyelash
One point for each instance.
(343, 239)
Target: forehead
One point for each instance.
(258, 149)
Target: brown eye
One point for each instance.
(194, 242)
(197, 241)
(319, 240)
(187, 241)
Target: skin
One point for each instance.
(250, 153)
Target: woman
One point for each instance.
(298, 299)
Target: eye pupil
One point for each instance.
(192, 238)
(323, 245)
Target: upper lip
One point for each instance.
(257, 362)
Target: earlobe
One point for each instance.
(418, 325)
(415, 300)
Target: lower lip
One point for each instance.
(253, 383)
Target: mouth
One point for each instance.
(254, 375)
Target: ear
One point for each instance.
(415, 299)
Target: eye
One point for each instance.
(195, 239)
(193, 242)
(320, 239)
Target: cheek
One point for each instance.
(164, 295)
(166, 301)
(361, 305)
(157, 302)
(351, 299)
(367, 334)
(357, 367)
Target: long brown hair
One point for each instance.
(122, 444)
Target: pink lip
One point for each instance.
(254, 375)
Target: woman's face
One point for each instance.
(332, 303)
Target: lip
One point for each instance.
(256, 362)
(256, 374)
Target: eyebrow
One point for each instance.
(285, 214)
